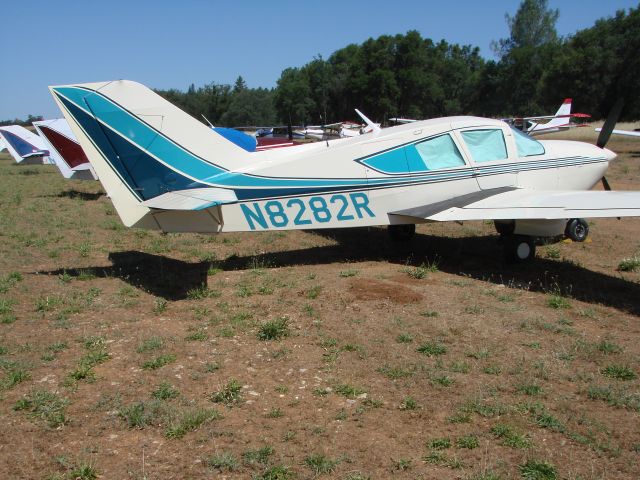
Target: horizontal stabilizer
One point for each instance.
(193, 199)
(37, 153)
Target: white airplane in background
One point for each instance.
(163, 170)
(534, 125)
(24, 146)
(560, 121)
(64, 149)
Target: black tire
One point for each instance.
(505, 228)
(577, 229)
(519, 248)
(402, 232)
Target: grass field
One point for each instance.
(294, 355)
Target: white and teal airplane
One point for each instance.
(165, 170)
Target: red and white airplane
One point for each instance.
(64, 149)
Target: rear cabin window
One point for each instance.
(485, 145)
(527, 146)
(433, 154)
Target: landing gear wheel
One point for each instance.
(505, 228)
(577, 229)
(519, 248)
(401, 232)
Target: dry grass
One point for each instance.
(514, 385)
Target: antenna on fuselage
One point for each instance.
(370, 124)
(207, 120)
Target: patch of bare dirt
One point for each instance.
(372, 289)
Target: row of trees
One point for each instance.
(411, 76)
(23, 123)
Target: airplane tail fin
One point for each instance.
(150, 156)
(562, 118)
(24, 146)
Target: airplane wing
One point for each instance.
(402, 120)
(513, 204)
(542, 129)
(623, 132)
(36, 153)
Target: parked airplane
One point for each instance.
(24, 146)
(64, 149)
(534, 125)
(164, 170)
(2, 145)
(554, 123)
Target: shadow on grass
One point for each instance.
(474, 257)
(161, 276)
(80, 195)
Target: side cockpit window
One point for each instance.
(486, 145)
(526, 145)
(434, 154)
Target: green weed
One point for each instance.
(275, 413)
(609, 348)
(509, 436)
(619, 372)
(159, 362)
(431, 349)
(165, 391)
(535, 470)
(261, 456)
(313, 292)
(395, 373)
(320, 464)
(150, 344)
(529, 389)
(44, 405)
(198, 293)
(277, 472)
(225, 462)
(348, 273)
(190, 420)
(404, 338)
(439, 443)
(557, 301)
(229, 394)
(409, 403)
(616, 397)
(468, 441)
(274, 329)
(629, 264)
(348, 391)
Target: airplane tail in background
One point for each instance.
(64, 149)
(150, 156)
(24, 146)
(562, 119)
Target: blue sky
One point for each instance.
(170, 44)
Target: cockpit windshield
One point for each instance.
(527, 146)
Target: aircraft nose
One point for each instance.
(609, 154)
